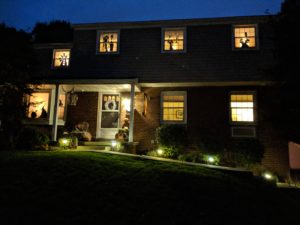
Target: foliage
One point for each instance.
(54, 32)
(243, 153)
(194, 156)
(30, 139)
(210, 145)
(285, 111)
(16, 60)
(172, 138)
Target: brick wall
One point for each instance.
(85, 110)
(208, 113)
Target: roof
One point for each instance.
(176, 22)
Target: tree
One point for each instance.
(16, 60)
(53, 32)
(286, 109)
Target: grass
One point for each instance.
(92, 188)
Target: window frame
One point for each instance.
(241, 123)
(53, 59)
(98, 42)
(241, 26)
(163, 30)
(173, 93)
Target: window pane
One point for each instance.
(242, 108)
(38, 105)
(174, 40)
(108, 42)
(109, 120)
(61, 58)
(173, 107)
(62, 106)
(244, 37)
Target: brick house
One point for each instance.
(207, 74)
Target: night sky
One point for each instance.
(23, 14)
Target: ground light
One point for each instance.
(160, 151)
(113, 144)
(211, 159)
(268, 176)
(64, 142)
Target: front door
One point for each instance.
(109, 114)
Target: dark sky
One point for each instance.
(25, 13)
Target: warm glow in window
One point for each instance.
(173, 108)
(61, 58)
(173, 40)
(108, 42)
(245, 37)
(61, 107)
(38, 105)
(242, 108)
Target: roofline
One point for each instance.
(173, 22)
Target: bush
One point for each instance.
(172, 139)
(32, 139)
(210, 145)
(244, 153)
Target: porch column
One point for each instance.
(131, 122)
(55, 113)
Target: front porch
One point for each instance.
(103, 106)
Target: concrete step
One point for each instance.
(93, 147)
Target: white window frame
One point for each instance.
(254, 122)
(99, 32)
(173, 93)
(241, 26)
(163, 30)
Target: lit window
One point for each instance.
(245, 37)
(242, 107)
(38, 105)
(108, 42)
(173, 107)
(61, 58)
(61, 107)
(174, 39)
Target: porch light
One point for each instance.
(160, 151)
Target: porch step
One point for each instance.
(93, 147)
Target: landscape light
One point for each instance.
(268, 176)
(211, 159)
(113, 144)
(160, 151)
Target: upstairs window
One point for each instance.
(245, 37)
(61, 58)
(173, 107)
(108, 42)
(174, 40)
(242, 107)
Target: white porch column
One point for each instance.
(55, 113)
(131, 122)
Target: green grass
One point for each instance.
(93, 188)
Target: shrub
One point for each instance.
(32, 139)
(172, 139)
(244, 153)
(210, 145)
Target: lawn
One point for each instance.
(93, 188)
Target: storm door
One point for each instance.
(109, 115)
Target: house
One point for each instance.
(207, 74)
